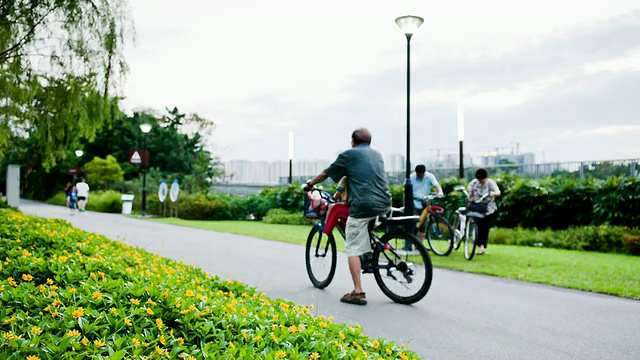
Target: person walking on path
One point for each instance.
(369, 197)
(83, 194)
(72, 200)
(67, 192)
(479, 186)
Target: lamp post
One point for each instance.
(145, 128)
(461, 137)
(408, 24)
(79, 154)
(290, 157)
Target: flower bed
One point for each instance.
(69, 294)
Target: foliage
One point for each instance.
(604, 238)
(173, 152)
(58, 62)
(69, 294)
(103, 171)
(280, 216)
(108, 201)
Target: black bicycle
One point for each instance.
(405, 279)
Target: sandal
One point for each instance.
(354, 298)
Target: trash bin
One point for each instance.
(127, 203)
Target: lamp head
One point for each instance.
(79, 153)
(409, 24)
(145, 127)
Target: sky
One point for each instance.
(559, 79)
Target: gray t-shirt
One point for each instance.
(366, 181)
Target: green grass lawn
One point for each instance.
(613, 274)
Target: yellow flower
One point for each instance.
(151, 302)
(98, 343)
(78, 313)
(159, 323)
(135, 301)
(257, 338)
(403, 356)
(389, 351)
(274, 338)
(180, 341)
(49, 281)
(281, 354)
(293, 328)
(11, 281)
(36, 330)
(375, 344)
(231, 345)
(114, 311)
(330, 319)
(314, 356)
(163, 341)
(135, 341)
(32, 357)
(56, 302)
(127, 322)
(149, 311)
(73, 290)
(73, 333)
(96, 295)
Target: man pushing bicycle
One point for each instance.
(369, 197)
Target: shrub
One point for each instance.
(59, 198)
(281, 216)
(605, 238)
(105, 201)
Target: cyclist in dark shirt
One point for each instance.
(369, 197)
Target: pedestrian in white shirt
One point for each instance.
(83, 194)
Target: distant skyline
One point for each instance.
(558, 78)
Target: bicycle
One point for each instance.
(465, 227)
(438, 231)
(401, 279)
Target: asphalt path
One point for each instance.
(464, 316)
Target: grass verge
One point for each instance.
(69, 294)
(613, 274)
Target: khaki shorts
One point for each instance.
(357, 236)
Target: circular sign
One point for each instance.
(163, 189)
(174, 191)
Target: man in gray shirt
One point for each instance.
(369, 197)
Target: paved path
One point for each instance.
(464, 316)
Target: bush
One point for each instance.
(605, 238)
(58, 199)
(105, 201)
(281, 216)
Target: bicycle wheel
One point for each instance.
(404, 279)
(470, 239)
(320, 257)
(439, 235)
(457, 234)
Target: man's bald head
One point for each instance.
(361, 136)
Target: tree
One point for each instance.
(59, 60)
(103, 171)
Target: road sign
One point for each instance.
(175, 190)
(73, 170)
(138, 157)
(163, 189)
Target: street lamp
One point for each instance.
(79, 153)
(408, 24)
(290, 157)
(145, 128)
(461, 137)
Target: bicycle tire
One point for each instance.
(319, 254)
(470, 239)
(389, 265)
(439, 235)
(456, 228)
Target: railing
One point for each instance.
(577, 169)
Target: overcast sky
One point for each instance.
(560, 79)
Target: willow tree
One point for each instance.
(61, 64)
